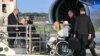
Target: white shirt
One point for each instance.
(64, 32)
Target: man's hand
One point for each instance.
(74, 35)
(89, 37)
(17, 29)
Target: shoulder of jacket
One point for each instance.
(11, 14)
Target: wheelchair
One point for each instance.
(59, 47)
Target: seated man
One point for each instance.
(65, 31)
(62, 33)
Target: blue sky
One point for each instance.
(34, 5)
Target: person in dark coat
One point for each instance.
(30, 22)
(71, 21)
(12, 20)
(82, 31)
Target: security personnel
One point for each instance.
(82, 31)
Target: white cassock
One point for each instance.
(63, 33)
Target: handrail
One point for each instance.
(42, 31)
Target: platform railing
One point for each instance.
(44, 32)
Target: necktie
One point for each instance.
(17, 19)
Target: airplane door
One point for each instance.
(60, 8)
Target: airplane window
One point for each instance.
(1, 49)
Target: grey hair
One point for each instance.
(20, 18)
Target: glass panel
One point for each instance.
(4, 8)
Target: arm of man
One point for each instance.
(91, 28)
(75, 26)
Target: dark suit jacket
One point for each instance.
(30, 22)
(72, 24)
(83, 25)
(33, 27)
(12, 21)
(22, 30)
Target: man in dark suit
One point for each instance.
(71, 21)
(83, 31)
(30, 22)
(12, 20)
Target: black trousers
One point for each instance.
(83, 41)
(11, 41)
(93, 52)
(92, 49)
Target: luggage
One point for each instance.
(74, 43)
(91, 44)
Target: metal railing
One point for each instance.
(43, 32)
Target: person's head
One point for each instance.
(65, 23)
(56, 23)
(23, 21)
(16, 11)
(82, 11)
(31, 17)
(70, 13)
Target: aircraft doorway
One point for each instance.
(61, 7)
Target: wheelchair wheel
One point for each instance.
(62, 49)
(52, 53)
